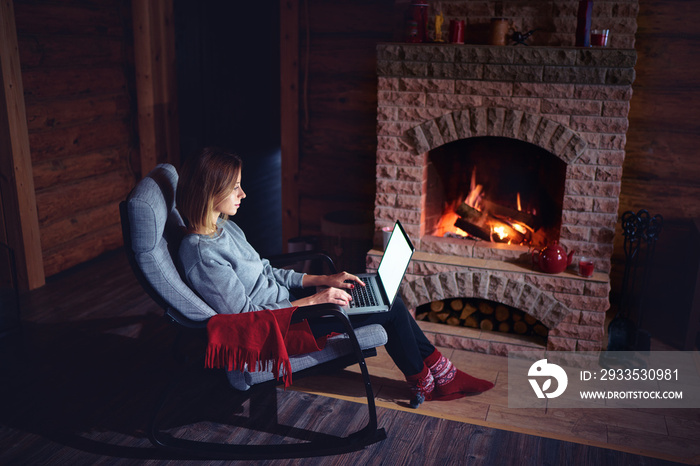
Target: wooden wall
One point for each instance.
(77, 70)
(338, 102)
(662, 168)
(661, 172)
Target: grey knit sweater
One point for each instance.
(229, 275)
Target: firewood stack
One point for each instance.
(483, 314)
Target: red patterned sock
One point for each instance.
(450, 382)
(422, 385)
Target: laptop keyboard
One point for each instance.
(363, 296)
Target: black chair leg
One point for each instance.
(327, 446)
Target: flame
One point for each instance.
(520, 227)
(446, 224)
(475, 195)
(502, 230)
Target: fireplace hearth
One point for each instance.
(555, 117)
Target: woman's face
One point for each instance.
(229, 206)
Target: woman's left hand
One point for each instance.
(343, 280)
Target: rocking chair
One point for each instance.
(152, 229)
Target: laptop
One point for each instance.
(382, 287)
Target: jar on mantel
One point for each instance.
(417, 22)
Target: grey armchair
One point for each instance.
(152, 229)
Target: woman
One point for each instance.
(226, 271)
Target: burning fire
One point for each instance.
(476, 217)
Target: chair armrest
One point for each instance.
(177, 317)
(302, 313)
(319, 310)
(281, 260)
(326, 310)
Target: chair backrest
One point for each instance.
(152, 230)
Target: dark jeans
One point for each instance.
(407, 345)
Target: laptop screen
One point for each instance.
(397, 255)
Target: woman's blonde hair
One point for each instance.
(206, 179)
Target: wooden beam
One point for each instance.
(21, 224)
(156, 88)
(289, 109)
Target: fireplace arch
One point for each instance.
(548, 134)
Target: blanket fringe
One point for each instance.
(225, 357)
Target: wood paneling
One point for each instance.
(59, 113)
(70, 198)
(77, 69)
(71, 140)
(289, 121)
(156, 102)
(338, 110)
(661, 171)
(19, 229)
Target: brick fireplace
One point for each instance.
(570, 102)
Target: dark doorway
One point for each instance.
(228, 96)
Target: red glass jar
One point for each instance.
(417, 22)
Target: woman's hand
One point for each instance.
(334, 293)
(342, 280)
(327, 295)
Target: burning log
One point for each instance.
(471, 215)
(501, 211)
(474, 230)
(483, 224)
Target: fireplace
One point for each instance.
(542, 131)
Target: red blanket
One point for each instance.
(263, 340)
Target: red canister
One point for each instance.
(417, 22)
(457, 31)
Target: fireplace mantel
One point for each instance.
(526, 64)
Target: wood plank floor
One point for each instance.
(80, 378)
(670, 434)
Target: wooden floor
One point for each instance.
(79, 380)
(671, 434)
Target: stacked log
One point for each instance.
(482, 314)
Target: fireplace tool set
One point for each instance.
(641, 231)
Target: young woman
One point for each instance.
(225, 270)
